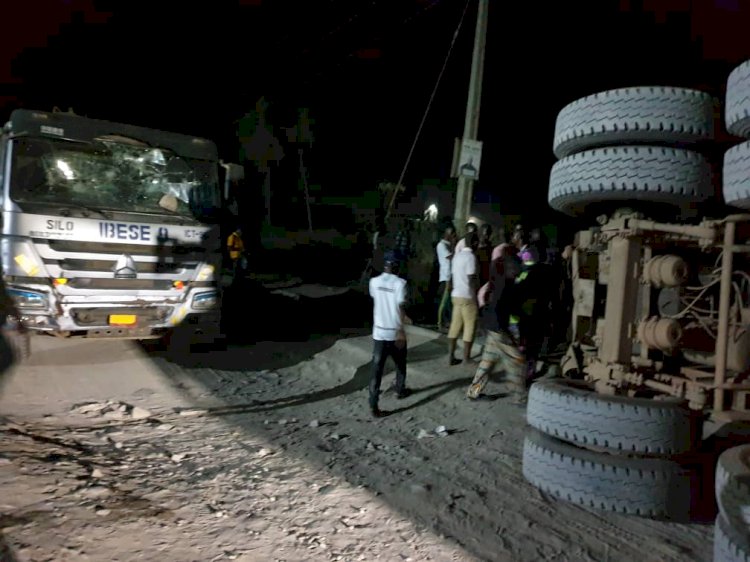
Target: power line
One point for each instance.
(427, 109)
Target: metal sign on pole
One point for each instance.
(467, 160)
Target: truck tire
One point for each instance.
(736, 175)
(655, 488)
(572, 411)
(19, 347)
(732, 486)
(628, 175)
(737, 102)
(729, 545)
(652, 115)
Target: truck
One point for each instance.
(655, 385)
(110, 230)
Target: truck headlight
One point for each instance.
(205, 300)
(28, 299)
(206, 273)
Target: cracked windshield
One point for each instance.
(109, 175)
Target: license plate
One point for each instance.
(122, 319)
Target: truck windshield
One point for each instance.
(113, 175)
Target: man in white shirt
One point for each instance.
(444, 250)
(461, 244)
(464, 279)
(388, 292)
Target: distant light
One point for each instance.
(65, 169)
(431, 213)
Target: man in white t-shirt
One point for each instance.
(461, 244)
(465, 284)
(444, 250)
(388, 292)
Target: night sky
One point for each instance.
(365, 70)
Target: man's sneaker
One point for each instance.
(378, 413)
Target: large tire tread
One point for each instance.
(676, 177)
(651, 114)
(655, 488)
(729, 545)
(732, 487)
(570, 411)
(736, 176)
(737, 102)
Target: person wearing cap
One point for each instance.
(497, 301)
(461, 244)
(464, 283)
(388, 292)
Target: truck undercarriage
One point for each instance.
(654, 397)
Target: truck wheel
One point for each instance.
(19, 344)
(629, 176)
(737, 102)
(634, 116)
(572, 411)
(649, 487)
(729, 545)
(733, 487)
(737, 176)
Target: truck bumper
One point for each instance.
(142, 317)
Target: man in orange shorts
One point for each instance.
(465, 284)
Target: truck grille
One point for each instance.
(100, 316)
(91, 265)
(120, 284)
(73, 246)
(67, 264)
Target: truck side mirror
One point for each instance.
(234, 172)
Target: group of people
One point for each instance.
(504, 290)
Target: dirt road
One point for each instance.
(267, 452)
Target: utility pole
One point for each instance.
(465, 189)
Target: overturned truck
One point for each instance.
(660, 328)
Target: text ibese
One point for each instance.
(124, 231)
